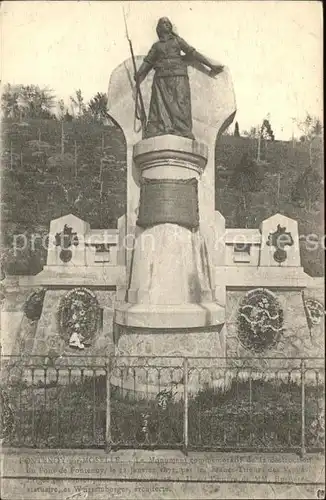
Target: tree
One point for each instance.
(36, 102)
(9, 102)
(307, 189)
(262, 132)
(266, 131)
(252, 133)
(312, 128)
(97, 107)
(246, 179)
(30, 255)
(265, 134)
(27, 101)
(236, 130)
(61, 106)
(77, 104)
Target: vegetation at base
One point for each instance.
(271, 418)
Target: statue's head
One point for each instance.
(164, 26)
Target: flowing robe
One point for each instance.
(170, 105)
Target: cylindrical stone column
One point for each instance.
(170, 283)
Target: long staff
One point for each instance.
(139, 97)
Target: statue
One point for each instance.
(170, 105)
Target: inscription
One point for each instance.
(226, 468)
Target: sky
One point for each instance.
(273, 49)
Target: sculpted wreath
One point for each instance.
(260, 321)
(78, 317)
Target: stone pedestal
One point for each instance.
(170, 302)
(170, 278)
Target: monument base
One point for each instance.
(189, 315)
(163, 350)
(177, 342)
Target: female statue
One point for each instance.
(170, 105)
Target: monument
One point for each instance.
(171, 279)
(172, 282)
(170, 288)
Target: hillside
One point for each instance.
(282, 165)
(89, 179)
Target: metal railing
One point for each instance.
(233, 404)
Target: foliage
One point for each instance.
(266, 131)
(93, 111)
(75, 417)
(34, 304)
(236, 130)
(97, 107)
(39, 183)
(77, 104)
(252, 133)
(246, 179)
(7, 417)
(270, 418)
(62, 109)
(284, 163)
(9, 102)
(247, 175)
(26, 102)
(311, 127)
(24, 248)
(307, 188)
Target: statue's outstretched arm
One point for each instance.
(190, 51)
(216, 68)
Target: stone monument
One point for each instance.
(171, 279)
(170, 289)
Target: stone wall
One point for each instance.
(14, 324)
(297, 340)
(48, 335)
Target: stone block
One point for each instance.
(296, 339)
(268, 227)
(48, 335)
(81, 255)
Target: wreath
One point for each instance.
(78, 317)
(315, 311)
(260, 321)
(34, 304)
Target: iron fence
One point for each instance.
(233, 404)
